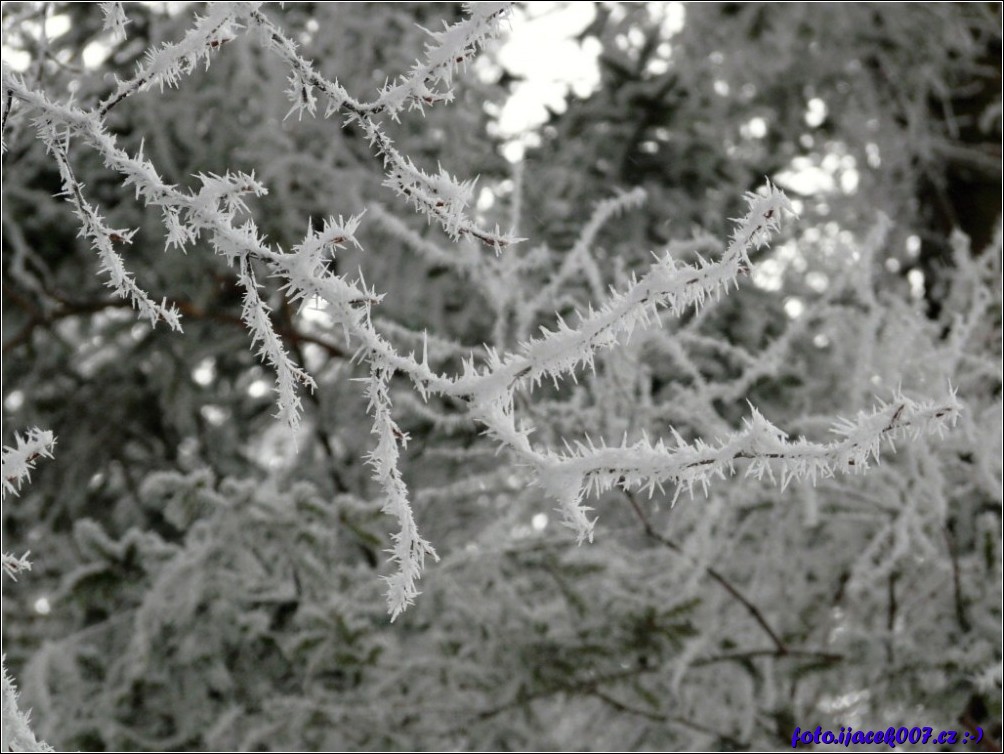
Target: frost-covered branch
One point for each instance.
(115, 19)
(451, 48)
(409, 549)
(256, 315)
(17, 463)
(171, 62)
(17, 732)
(666, 285)
(592, 469)
(578, 259)
(19, 459)
(103, 239)
(216, 209)
(16, 466)
(213, 209)
(441, 197)
(462, 260)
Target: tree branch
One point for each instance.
(781, 649)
